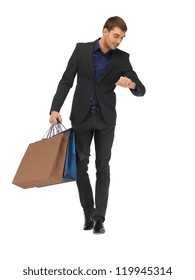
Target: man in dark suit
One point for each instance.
(100, 66)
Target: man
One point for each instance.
(100, 66)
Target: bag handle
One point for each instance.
(54, 130)
(60, 124)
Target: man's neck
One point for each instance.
(103, 46)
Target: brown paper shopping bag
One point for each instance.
(42, 163)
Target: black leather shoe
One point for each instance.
(88, 224)
(98, 227)
(88, 220)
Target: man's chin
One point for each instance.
(114, 47)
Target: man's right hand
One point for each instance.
(54, 117)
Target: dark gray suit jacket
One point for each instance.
(81, 63)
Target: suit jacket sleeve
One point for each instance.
(131, 74)
(66, 82)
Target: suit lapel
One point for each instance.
(90, 59)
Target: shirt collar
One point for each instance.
(97, 46)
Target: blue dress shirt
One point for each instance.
(100, 63)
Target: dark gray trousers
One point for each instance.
(94, 126)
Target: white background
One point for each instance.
(150, 216)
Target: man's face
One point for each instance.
(113, 38)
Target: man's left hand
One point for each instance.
(126, 83)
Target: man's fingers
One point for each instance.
(123, 81)
(54, 117)
(119, 80)
(126, 83)
(52, 121)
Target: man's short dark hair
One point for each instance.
(116, 21)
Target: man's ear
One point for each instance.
(105, 31)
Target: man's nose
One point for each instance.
(118, 41)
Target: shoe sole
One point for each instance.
(98, 233)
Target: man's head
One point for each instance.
(113, 22)
(113, 33)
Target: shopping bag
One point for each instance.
(43, 162)
(70, 173)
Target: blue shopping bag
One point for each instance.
(70, 170)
